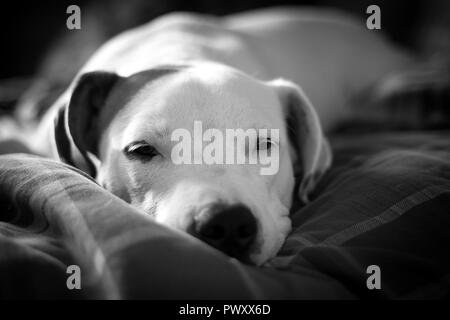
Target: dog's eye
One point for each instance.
(263, 144)
(141, 150)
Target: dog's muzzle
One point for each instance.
(231, 229)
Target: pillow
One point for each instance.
(385, 202)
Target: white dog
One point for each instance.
(241, 71)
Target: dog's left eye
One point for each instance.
(263, 144)
(141, 150)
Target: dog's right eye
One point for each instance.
(140, 150)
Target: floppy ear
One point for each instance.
(76, 125)
(313, 153)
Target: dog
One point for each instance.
(292, 69)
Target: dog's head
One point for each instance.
(125, 132)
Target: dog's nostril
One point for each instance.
(213, 232)
(246, 230)
(231, 229)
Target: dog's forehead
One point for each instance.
(218, 96)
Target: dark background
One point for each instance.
(31, 29)
(40, 56)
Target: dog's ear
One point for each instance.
(76, 125)
(313, 154)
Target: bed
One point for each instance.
(385, 202)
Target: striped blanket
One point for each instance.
(386, 202)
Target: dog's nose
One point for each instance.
(230, 229)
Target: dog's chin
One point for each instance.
(272, 240)
(259, 259)
(263, 255)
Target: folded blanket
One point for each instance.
(54, 216)
(385, 202)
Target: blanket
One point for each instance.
(384, 203)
